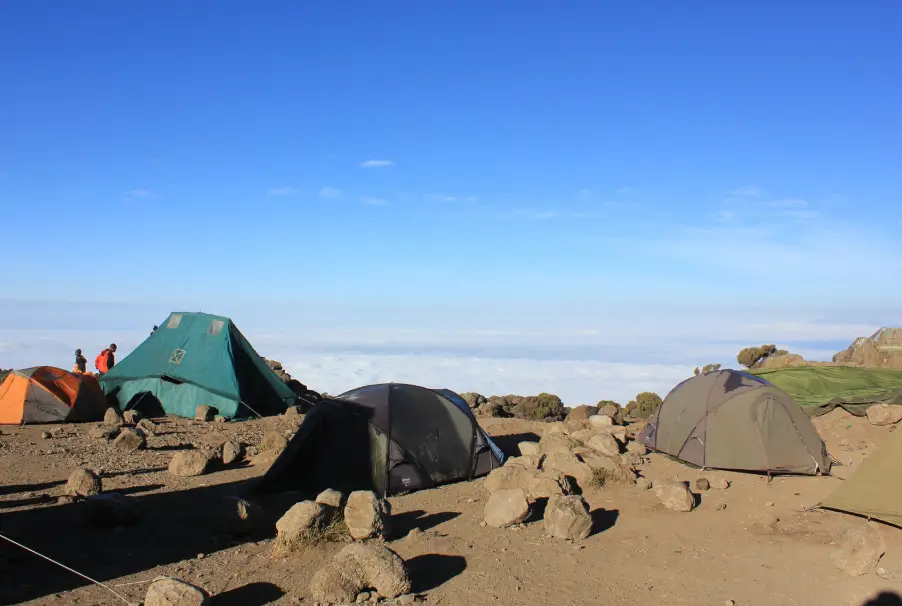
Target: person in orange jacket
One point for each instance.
(105, 360)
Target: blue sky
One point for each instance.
(526, 167)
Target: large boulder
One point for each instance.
(613, 410)
(188, 463)
(300, 526)
(83, 483)
(546, 484)
(130, 440)
(859, 549)
(509, 476)
(527, 461)
(166, 591)
(536, 484)
(604, 444)
(884, 414)
(567, 517)
(557, 442)
(615, 470)
(366, 515)
(599, 421)
(358, 567)
(506, 507)
(571, 466)
(675, 495)
(582, 413)
(330, 498)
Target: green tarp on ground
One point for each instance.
(195, 359)
(820, 389)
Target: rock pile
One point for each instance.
(364, 516)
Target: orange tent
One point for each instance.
(46, 394)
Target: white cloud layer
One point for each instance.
(376, 163)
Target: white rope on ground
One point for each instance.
(66, 567)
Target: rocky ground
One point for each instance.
(754, 542)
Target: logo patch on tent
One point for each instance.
(176, 357)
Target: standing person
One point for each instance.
(154, 330)
(105, 360)
(81, 363)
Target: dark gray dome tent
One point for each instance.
(390, 438)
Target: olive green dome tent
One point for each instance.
(195, 359)
(730, 419)
(872, 491)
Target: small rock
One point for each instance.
(219, 419)
(131, 417)
(637, 448)
(567, 517)
(894, 575)
(729, 603)
(330, 498)
(232, 452)
(362, 597)
(702, 484)
(720, 506)
(45, 435)
(884, 414)
(406, 599)
(643, 483)
(165, 591)
(147, 426)
(719, 482)
(112, 417)
(66, 499)
(528, 448)
(235, 515)
(414, 535)
(104, 433)
(675, 495)
(274, 442)
(769, 504)
(366, 515)
(188, 463)
(506, 507)
(359, 567)
(204, 413)
(83, 483)
(860, 547)
(130, 440)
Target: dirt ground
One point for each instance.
(639, 552)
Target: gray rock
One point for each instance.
(702, 484)
(165, 591)
(675, 495)
(884, 414)
(188, 463)
(112, 417)
(130, 440)
(83, 483)
(298, 525)
(604, 444)
(366, 515)
(104, 433)
(204, 413)
(860, 547)
(232, 452)
(330, 498)
(131, 417)
(358, 567)
(506, 507)
(567, 517)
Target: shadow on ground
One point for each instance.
(172, 527)
(603, 519)
(508, 443)
(252, 594)
(403, 523)
(884, 598)
(432, 570)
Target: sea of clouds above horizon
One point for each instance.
(615, 361)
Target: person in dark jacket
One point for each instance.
(154, 330)
(81, 363)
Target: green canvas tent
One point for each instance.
(872, 491)
(195, 359)
(820, 389)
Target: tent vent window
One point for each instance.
(176, 357)
(215, 327)
(174, 321)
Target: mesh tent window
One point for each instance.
(174, 321)
(215, 327)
